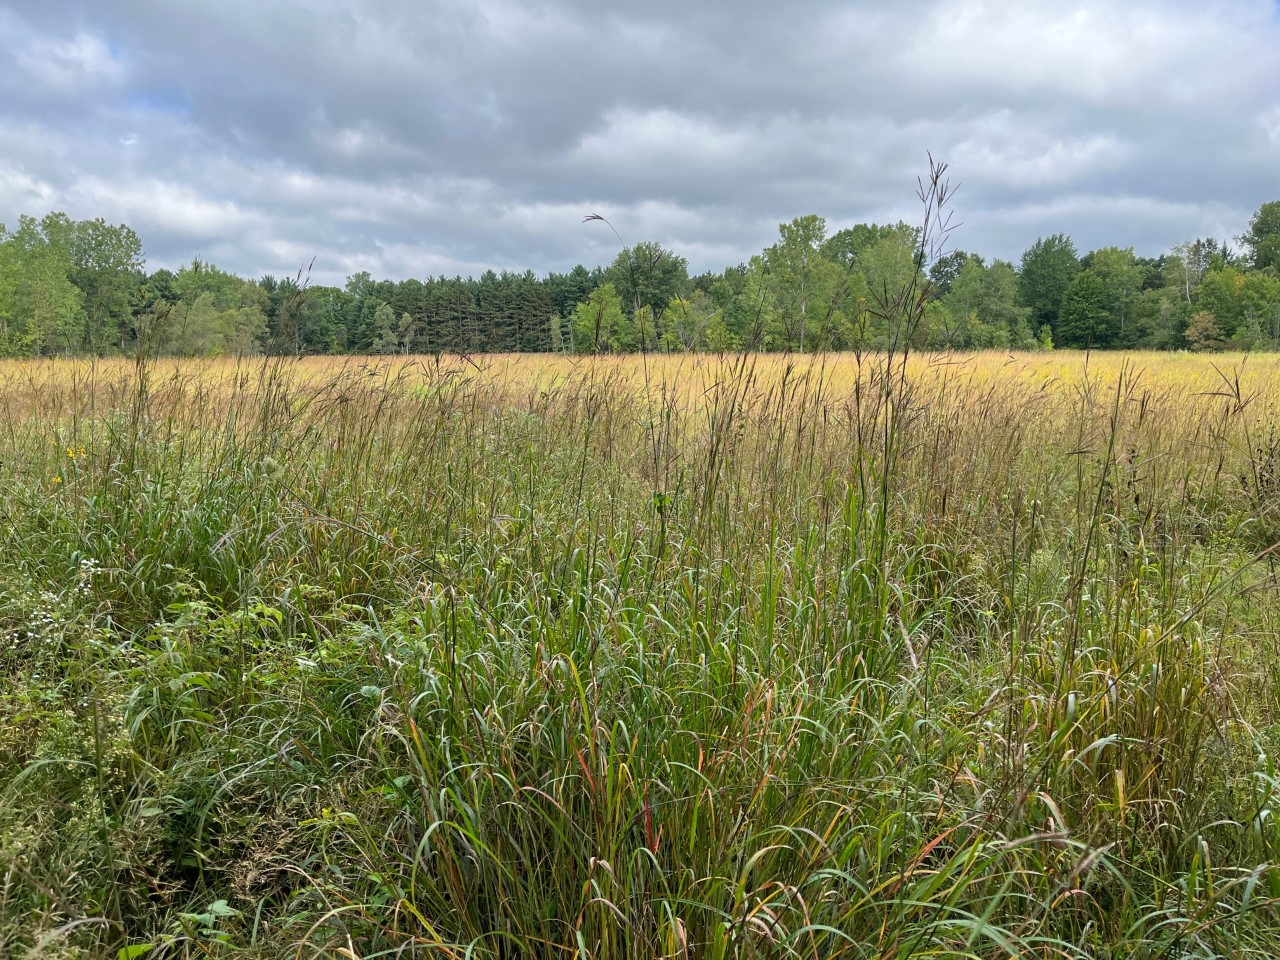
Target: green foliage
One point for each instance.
(983, 310)
(41, 310)
(1086, 319)
(889, 268)
(1048, 267)
(1185, 266)
(805, 285)
(599, 325)
(647, 275)
(214, 313)
(1263, 237)
(967, 662)
(1160, 315)
(946, 268)
(695, 323)
(1122, 278)
(79, 288)
(1219, 293)
(846, 247)
(1240, 300)
(393, 333)
(753, 316)
(106, 265)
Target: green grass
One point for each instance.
(631, 659)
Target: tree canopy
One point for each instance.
(1048, 267)
(72, 287)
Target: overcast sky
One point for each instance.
(419, 138)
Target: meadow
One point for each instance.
(689, 657)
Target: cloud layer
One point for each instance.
(419, 138)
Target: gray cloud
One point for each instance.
(410, 138)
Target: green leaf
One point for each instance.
(133, 951)
(219, 908)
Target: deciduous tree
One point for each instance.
(1048, 267)
(1263, 237)
(598, 324)
(1086, 319)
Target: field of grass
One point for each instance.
(701, 657)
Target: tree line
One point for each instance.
(82, 288)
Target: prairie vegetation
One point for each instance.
(641, 657)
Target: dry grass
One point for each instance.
(646, 656)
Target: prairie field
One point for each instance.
(749, 656)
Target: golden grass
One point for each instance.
(743, 656)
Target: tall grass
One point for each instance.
(535, 657)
